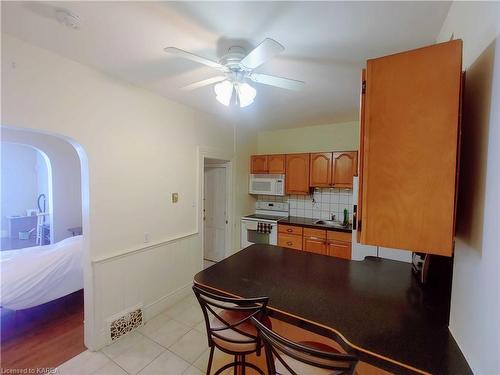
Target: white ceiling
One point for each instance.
(326, 45)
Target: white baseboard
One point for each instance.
(151, 310)
(165, 302)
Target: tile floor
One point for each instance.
(172, 343)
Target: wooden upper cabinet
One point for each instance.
(344, 168)
(258, 164)
(409, 151)
(320, 173)
(276, 164)
(297, 174)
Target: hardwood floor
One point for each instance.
(43, 336)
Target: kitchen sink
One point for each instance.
(331, 223)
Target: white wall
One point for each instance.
(474, 318)
(42, 178)
(139, 148)
(246, 145)
(66, 178)
(19, 181)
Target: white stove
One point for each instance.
(262, 227)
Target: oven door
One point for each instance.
(251, 236)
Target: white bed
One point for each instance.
(36, 275)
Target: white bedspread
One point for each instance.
(36, 275)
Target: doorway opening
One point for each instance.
(215, 210)
(26, 197)
(45, 288)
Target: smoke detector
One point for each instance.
(68, 19)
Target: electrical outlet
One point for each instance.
(146, 237)
(175, 197)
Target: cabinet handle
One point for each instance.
(289, 243)
(316, 238)
(337, 244)
(289, 230)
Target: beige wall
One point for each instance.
(341, 137)
(476, 285)
(139, 148)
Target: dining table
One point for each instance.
(375, 308)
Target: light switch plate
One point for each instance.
(175, 197)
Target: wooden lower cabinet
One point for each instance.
(291, 241)
(314, 245)
(318, 241)
(339, 249)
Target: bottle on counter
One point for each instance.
(346, 217)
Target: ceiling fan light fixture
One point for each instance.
(224, 92)
(246, 94)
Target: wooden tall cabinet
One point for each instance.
(297, 174)
(409, 149)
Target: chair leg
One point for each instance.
(236, 357)
(243, 364)
(209, 367)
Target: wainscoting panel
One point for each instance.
(156, 277)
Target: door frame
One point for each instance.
(222, 165)
(226, 161)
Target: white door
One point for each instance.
(214, 214)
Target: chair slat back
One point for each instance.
(288, 354)
(212, 306)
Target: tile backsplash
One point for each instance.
(322, 204)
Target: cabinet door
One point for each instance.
(276, 164)
(297, 174)
(314, 245)
(290, 240)
(344, 167)
(258, 164)
(410, 149)
(320, 174)
(339, 249)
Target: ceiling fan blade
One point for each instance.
(204, 82)
(191, 56)
(284, 83)
(262, 53)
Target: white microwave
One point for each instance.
(267, 184)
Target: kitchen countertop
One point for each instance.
(310, 223)
(375, 308)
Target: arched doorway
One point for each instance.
(68, 206)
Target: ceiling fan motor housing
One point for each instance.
(233, 58)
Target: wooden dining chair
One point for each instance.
(285, 357)
(230, 329)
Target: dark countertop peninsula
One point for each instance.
(310, 223)
(374, 308)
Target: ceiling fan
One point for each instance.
(237, 69)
